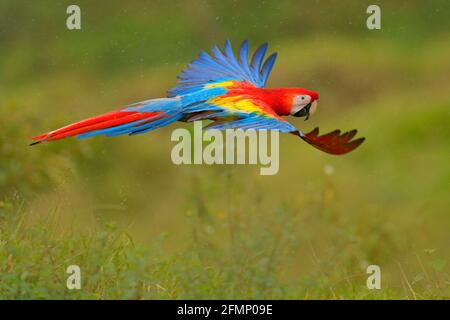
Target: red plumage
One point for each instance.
(107, 120)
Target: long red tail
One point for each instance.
(104, 121)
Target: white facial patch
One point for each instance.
(300, 102)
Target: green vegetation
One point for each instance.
(141, 227)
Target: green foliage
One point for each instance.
(21, 170)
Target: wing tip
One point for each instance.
(358, 141)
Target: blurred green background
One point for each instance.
(142, 227)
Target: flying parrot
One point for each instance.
(230, 91)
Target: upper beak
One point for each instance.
(311, 108)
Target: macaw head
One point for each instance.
(304, 103)
(297, 102)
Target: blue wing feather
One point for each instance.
(223, 65)
(255, 122)
(243, 56)
(257, 60)
(267, 67)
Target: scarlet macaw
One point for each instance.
(219, 87)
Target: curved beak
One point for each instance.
(313, 107)
(310, 108)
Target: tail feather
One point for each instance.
(83, 123)
(146, 116)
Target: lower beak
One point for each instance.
(307, 110)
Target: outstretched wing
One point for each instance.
(223, 66)
(333, 142)
(238, 111)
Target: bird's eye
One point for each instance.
(303, 98)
